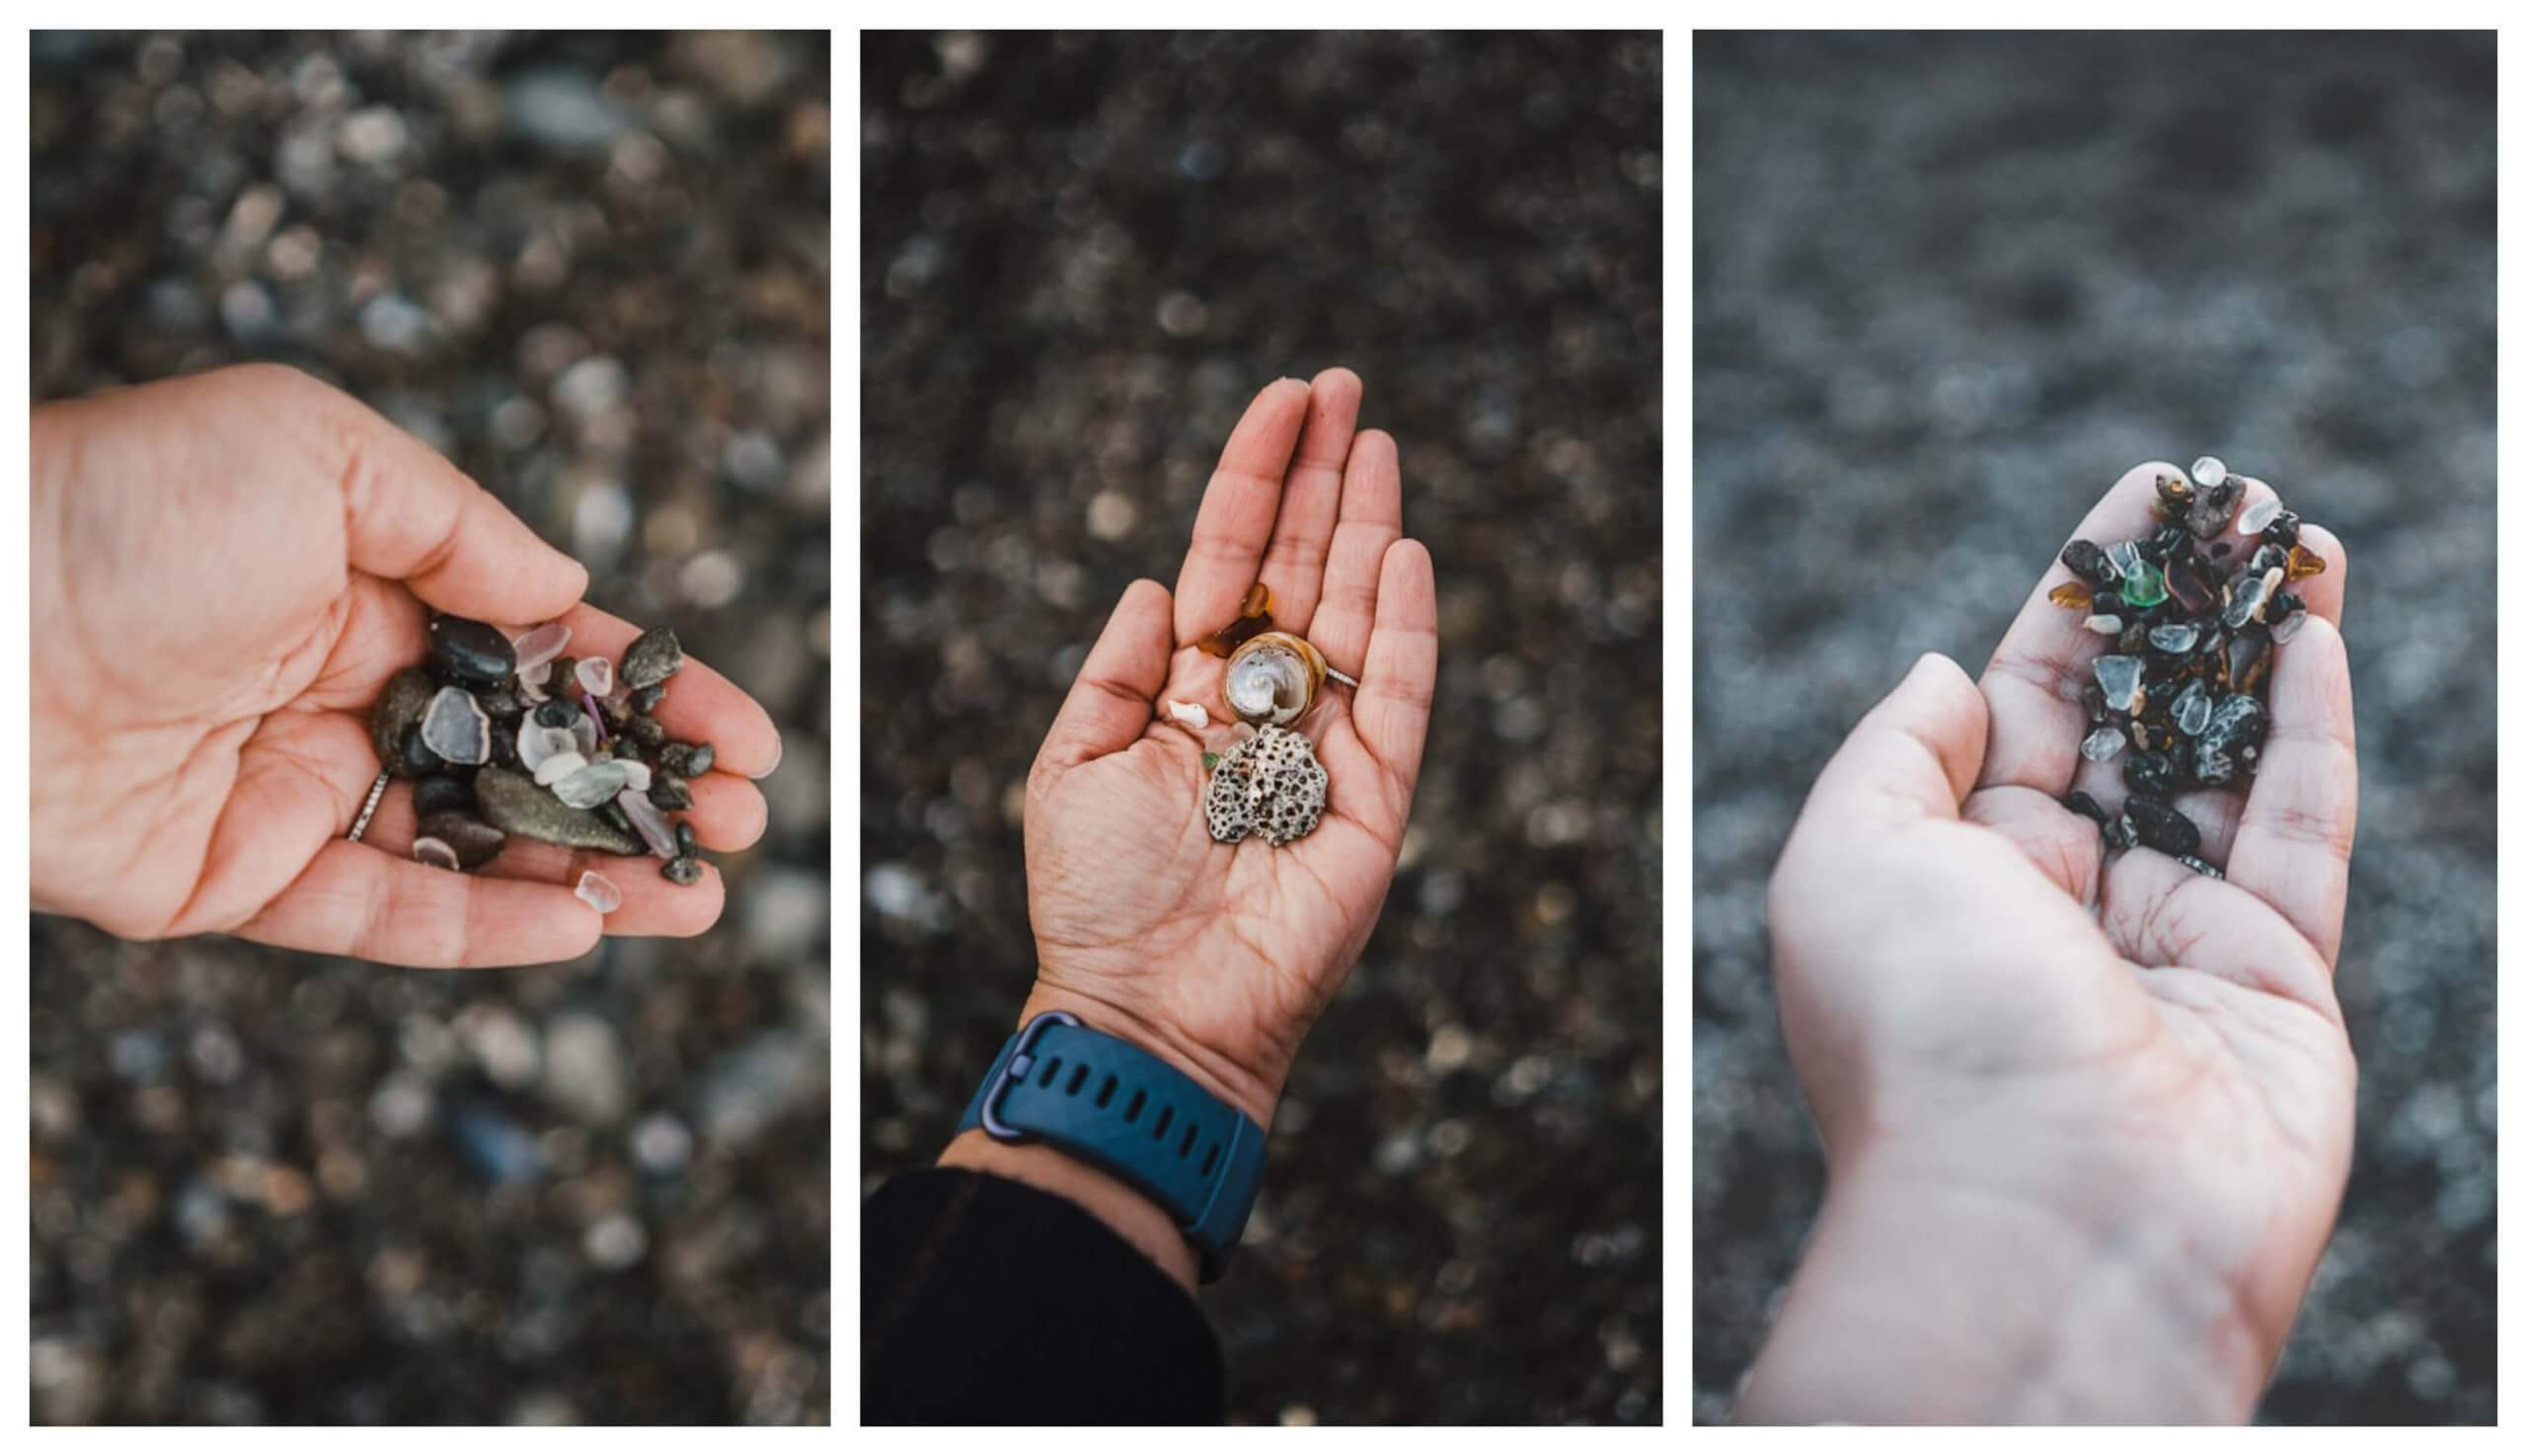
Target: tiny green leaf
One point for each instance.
(1210, 761)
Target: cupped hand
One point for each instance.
(1219, 955)
(227, 567)
(2116, 1054)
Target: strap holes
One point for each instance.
(1052, 1068)
(1192, 1132)
(1164, 1116)
(1077, 1077)
(1106, 1092)
(1133, 1112)
(1210, 1159)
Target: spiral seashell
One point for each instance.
(1273, 679)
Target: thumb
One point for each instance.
(1915, 755)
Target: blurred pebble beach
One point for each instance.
(593, 269)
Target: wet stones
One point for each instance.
(2194, 610)
(470, 651)
(508, 740)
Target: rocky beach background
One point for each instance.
(1081, 255)
(268, 1188)
(1947, 289)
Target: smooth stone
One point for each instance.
(2121, 678)
(470, 651)
(2087, 561)
(456, 727)
(2253, 519)
(560, 675)
(2101, 745)
(2249, 601)
(596, 675)
(539, 743)
(670, 792)
(601, 894)
(653, 658)
(501, 701)
(2161, 826)
(475, 842)
(432, 852)
(559, 766)
(439, 794)
(683, 870)
(687, 760)
(398, 711)
(2208, 470)
(511, 802)
(646, 731)
(2085, 805)
(556, 713)
(2232, 740)
(2104, 624)
(650, 821)
(417, 757)
(647, 699)
(2174, 637)
(2149, 771)
(685, 844)
(590, 786)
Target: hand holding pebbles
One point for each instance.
(2195, 622)
(512, 738)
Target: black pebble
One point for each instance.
(685, 844)
(562, 679)
(2087, 561)
(683, 870)
(687, 760)
(2161, 825)
(558, 713)
(476, 843)
(504, 745)
(2093, 697)
(2220, 549)
(2283, 530)
(470, 651)
(613, 813)
(2150, 772)
(647, 699)
(2080, 803)
(502, 704)
(645, 732)
(418, 758)
(2163, 545)
(440, 793)
(666, 791)
(2120, 833)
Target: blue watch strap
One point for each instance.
(1128, 1113)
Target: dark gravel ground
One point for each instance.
(1081, 256)
(287, 1189)
(1948, 288)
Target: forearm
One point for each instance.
(1916, 1304)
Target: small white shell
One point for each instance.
(1191, 715)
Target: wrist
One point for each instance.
(1922, 1301)
(1116, 1204)
(1237, 1081)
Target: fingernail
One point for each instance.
(773, 767)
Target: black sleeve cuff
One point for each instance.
(985, 1301)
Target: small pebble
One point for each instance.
(2253, 519)
(538, 646)
(2121, 678)
(2104, 624)
(2199, 866)
(2161, 825)
(434, 851)
(2088, 562)
(556, 713)
(418, 757)
(647, 699)
(683, 870)
(600, 892)
(440, 793)
(2288, 626)
(2208, 470)
(473, 841)
(685, 844)
(2176, 639)
(591, 785)
(560, 766)
(646, 731)
(398, 712)
(456, 728)
(2149, 771)
(2085, 804)
(653, 658)
(650, 824)
(2101, 745)
(470, 651)
(687, 760)
(670, 792)
(597, 676)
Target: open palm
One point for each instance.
(228, 568)
(1987, 1010)
(1224, 954)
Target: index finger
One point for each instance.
(1239, 506)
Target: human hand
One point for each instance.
(2086, 1124)
(1219, 957)
(227, 567)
